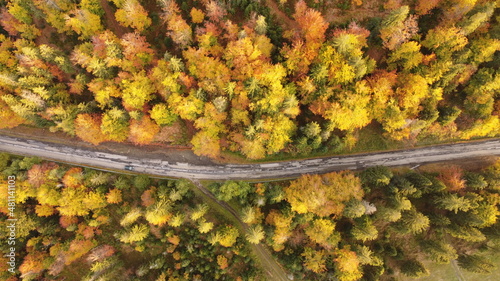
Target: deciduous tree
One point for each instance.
(136, 91)
(347, 265)
(323, 195)
(197, 15)
(114, 196)
(425, 6)
(162, 115)
(228, 235)
(314, 260)
(131, 217)
(312, 28)
(159, 213)
(321, 231)
(407, 56)
(132, 14)
(444, 41)
(9, 118)
(84, 23)
(451, 176)
(398, 27)
(143, 131)
(88, 128)
(178, 29)
(205, 226)
(137, 52)
(115, 125)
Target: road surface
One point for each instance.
(287, 169)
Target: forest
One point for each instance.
(82, 224)
(252, 78)
(378, 224)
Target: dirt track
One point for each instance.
(273, 269)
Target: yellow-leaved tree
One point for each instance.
(347, 265)
(132, 14)
(323, 195)
(314, 260)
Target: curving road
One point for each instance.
(287, 169)
(248, 171)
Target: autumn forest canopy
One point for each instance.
(379, 224)
(253, 77)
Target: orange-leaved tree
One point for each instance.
(143, 131)
(88, 128)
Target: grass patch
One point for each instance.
(494, 276)
(371, 139)
(215, 207)
(447, 272)
(439, 272)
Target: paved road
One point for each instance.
(286, 169)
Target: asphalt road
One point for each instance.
(287, 169)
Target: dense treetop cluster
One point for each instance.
(83, 224)
(378, 224)
(247, 77)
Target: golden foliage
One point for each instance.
(114, 196)
(314, 260)
(88, 128)
(132, 14)
(44, 210)
(228, 236)
(73, 177)
(143, 131)
(481, 128)
(348, 265)
(424, 6)
(137, 91)
(78, 248)
(9, 119)
(222, 262)
(197, 16)
(320, 231)
(33, 262)
(175, 240)
(84, 22)
(323, 195)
